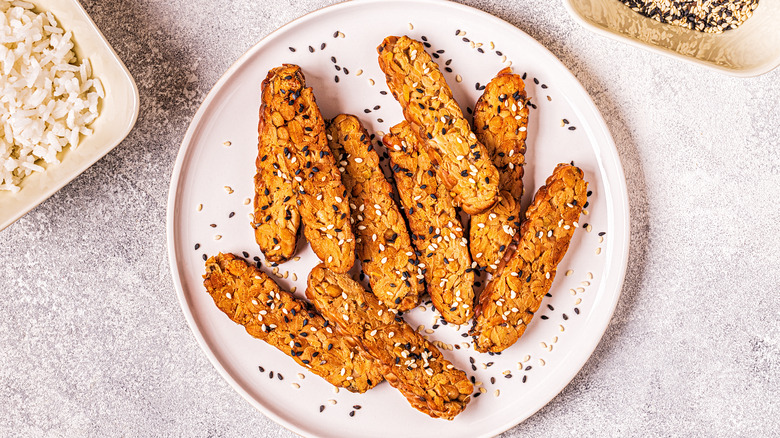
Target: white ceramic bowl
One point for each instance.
(750, 50)
(118, 113)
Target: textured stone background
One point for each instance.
(93, 342)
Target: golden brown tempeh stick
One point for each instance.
(436, 231)
(252, 299)
(382, 240)
(500, 121)
(296, 125)
(510, 300)
(462, 162)
(408, 361)
(276, 217)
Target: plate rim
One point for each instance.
(620, 186)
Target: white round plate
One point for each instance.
(212, 185)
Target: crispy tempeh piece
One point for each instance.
(500, 122)
(408, 361)
(296, 125)
(252, 299)
(382, 240)
(436, 231)
(510, 300)
(462, 162)
(276, 216)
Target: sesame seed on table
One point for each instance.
(95, 341)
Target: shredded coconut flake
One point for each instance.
(49, 98)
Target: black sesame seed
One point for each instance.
(351, 413)
(544, 317)
(336, 78)
(525, 378)
(322, 408)
(565, 317)
(197, 245)
(271, 375)
(322, 46)
(262, 370)
(205, 258)
(292, 49)
(311, 49)
(577, 310)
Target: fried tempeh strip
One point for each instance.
(462, 162)
(408, 361)
(382, 240)
(252, 299)
(510, 300)
(500, 122)
(436, 231)
(296, 125)
(276, 217)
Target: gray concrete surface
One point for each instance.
(93, 343)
